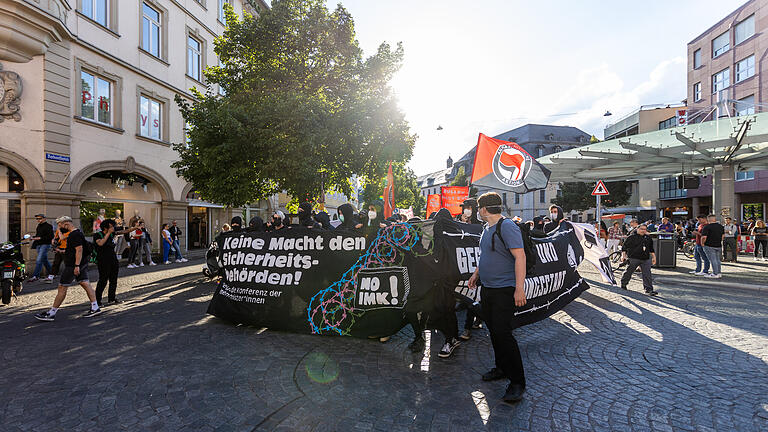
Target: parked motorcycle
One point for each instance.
(11, 269)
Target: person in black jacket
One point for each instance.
(638, 248)
(175, 234)
(305, 216)
(349, 221)
(556, 215)
(42, 243)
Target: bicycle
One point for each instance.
(687, 248)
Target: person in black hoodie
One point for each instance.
(373, 220)
(256, 224)
(538, 227)
(324, 220)
(349, 221)
(305, 216)
(557, 215)
(469, 215)
(237, 224)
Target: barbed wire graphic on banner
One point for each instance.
(332, 310)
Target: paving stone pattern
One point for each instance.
(693, 359)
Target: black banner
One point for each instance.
(329, 282)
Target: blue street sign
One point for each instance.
(57, 158)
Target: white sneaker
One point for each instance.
(184, 260)
(716, 276)
(50, 277)
(692, 272)
(141, 264)
(699, 273)
(757, 258)
(167, 262)
(152, 263)
(131, 266)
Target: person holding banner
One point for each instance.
(556, 215)
(501, 271)
(469, 215)
(639, 249)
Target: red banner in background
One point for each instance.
(433, 204)
(453, 197)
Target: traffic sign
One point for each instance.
(600, 189)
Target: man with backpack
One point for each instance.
(501, 271)
(75, 272)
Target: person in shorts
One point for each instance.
(75, 270)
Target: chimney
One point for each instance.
(449, 162)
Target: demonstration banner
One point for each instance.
(453, 197)
(328, 282)
(433, 204)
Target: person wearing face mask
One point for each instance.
(556, 216)
(305, 216)
(502, 269)
(372, 222)
(256, 224)
(538, 227)
(469, 215)
(324, 220)
(236, 224)
(277, 223)
(346, 215)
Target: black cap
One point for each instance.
(490, 199)
(40, 215)
(237, 220)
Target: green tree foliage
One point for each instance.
(303, 110)
(578, 195)
(407, 191)
(462, 179)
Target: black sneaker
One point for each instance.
(624, 287)
(448, 348)
(652, 293)
(514, 393)
(92, 313)
(494, 374)
(478, 324)
(45, 316)
(417, 345)
(466, 335)
(114, 302)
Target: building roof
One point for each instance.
(537, 133)
(433, 179)
(741, 141)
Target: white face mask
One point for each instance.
(371, 214)
(468, 212)
(553, 216)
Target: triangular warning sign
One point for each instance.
(600, 189)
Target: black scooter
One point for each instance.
(11, 269)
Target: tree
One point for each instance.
(302, 110)
(407, 191)
(578, 195)
(461, 179)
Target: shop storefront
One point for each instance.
(204, 221)
(11, 186)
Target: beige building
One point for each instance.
(87, 111)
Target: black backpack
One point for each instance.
(525, 231)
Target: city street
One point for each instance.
(695, 358)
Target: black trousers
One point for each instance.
(58, 258)
(645, 267)
(498, 308)
(108, 268)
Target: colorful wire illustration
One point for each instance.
(332, 310)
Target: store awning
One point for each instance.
(740, 141)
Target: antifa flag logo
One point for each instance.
(511, 166)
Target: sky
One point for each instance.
(493, 65)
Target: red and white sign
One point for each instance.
(682, 117)
(600, 189)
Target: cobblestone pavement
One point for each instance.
(694, 358)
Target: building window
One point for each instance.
(542, 196)
(668, 189)
(96, 98)
(150, 117)
(558, 149)
(517, 198)
(697, 59)
(539, 151)
(697, 92)
(745, 106)
(744, 30)
(668, 123)
(222, 18)
(96, 10)
(745, 68)
(194, 48)
(721, 80)
(745, 175)
(720, 44)
(150, 30)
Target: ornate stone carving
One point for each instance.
(10, 95)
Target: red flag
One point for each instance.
(389, 194)
(507, 166)
(453, 197)
(433, 204)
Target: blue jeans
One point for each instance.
(177, 249)
(699, 256)
(166, 250)
(42, 260)
(713, 254)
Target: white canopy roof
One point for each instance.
(741, 141)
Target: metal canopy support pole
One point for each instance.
(598, 213)
(723, 190)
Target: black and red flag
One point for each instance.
(505, 165)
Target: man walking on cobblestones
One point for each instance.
(75, 270)
(638, 248)
(501, 270)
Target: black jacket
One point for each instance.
(638, 247)
(45, 232)
(175, 232)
